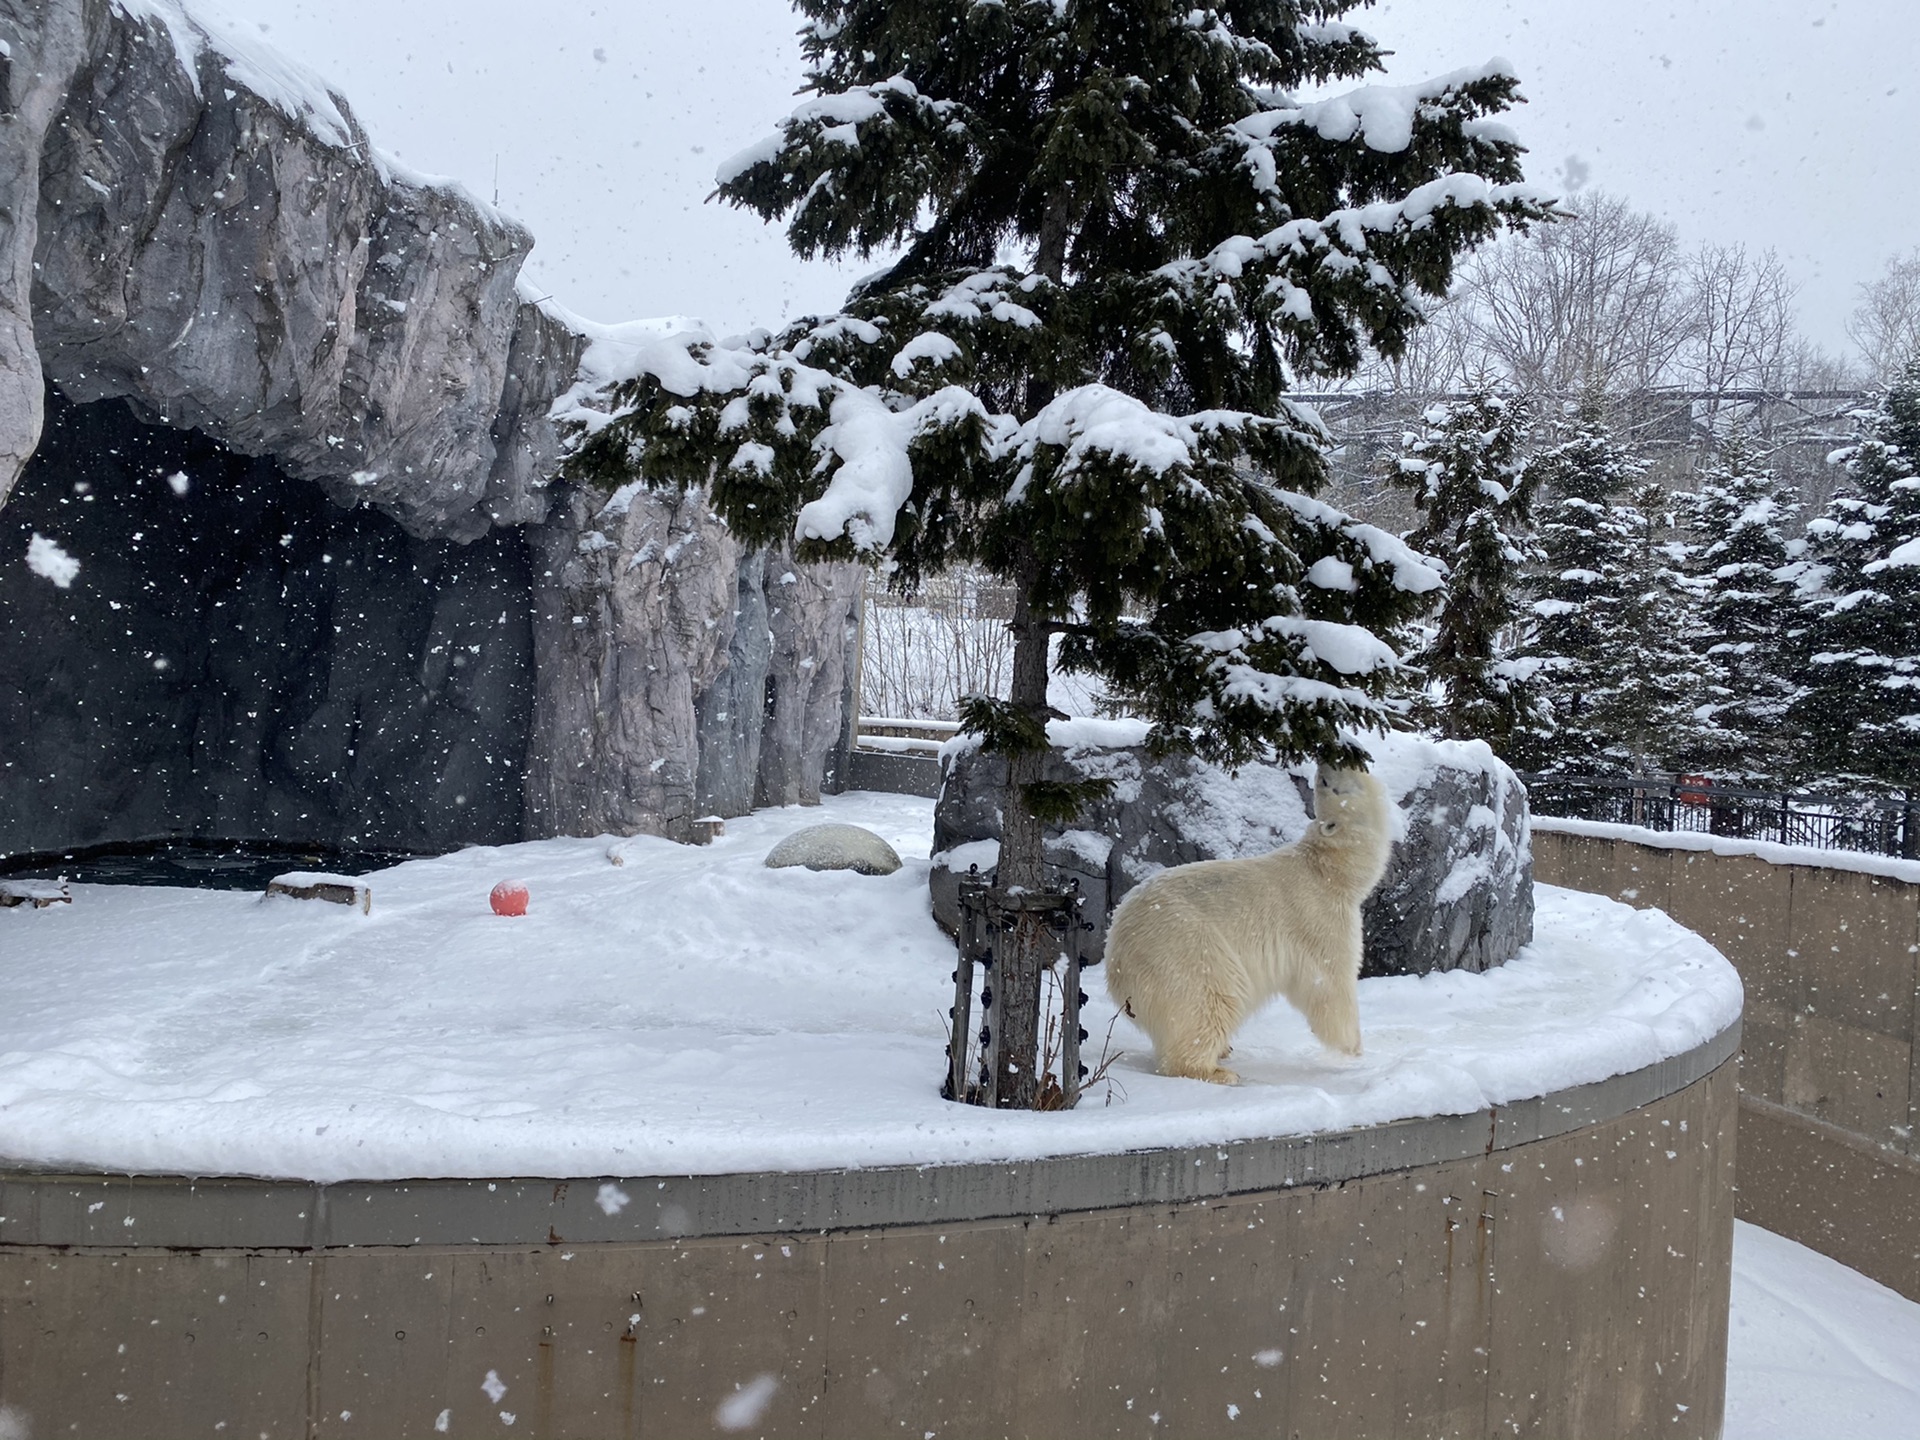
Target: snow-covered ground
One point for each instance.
(1816, 1349)
(691, 1011)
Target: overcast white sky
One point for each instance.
(1775, 122)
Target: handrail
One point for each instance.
(1874, 824)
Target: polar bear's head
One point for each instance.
(1349, 803)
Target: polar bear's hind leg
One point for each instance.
(1196, 1046)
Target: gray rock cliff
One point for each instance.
(203, 236)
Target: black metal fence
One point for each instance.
(1878, 825)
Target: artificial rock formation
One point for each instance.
(1457, 895)
(196, 236)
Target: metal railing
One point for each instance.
(1877, 825)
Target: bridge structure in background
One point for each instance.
(1675, 427)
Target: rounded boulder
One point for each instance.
(835, 847)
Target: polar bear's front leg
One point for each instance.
(1332, 1008)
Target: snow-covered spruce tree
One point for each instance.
(1858, 719)
(1470, 483)
(1739, 513)
(1119, 239)
(1655, 714)
(1586, 598)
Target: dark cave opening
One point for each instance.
(237, 658)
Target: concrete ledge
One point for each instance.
(115, 1211)
(1560, 1267)
(893, 773)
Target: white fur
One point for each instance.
(1198, 948)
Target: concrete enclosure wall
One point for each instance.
(1829, 1070)
(1559, 1267)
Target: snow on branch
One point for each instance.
(1412, 571)
(836, 119)
(1381, 117)
(863, 438)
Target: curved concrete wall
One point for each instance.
(1829, 1068)
(1558, 1267)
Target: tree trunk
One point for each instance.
(1025, 953)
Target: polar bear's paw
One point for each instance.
(1212, 1074)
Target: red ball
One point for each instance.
(509, 897)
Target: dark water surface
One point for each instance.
(196, 864)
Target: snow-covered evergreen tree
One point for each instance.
(1656, 714)
(1117, 237)
(1618, 687)
(1858, 720)
(1471, 485)
(1740, 515)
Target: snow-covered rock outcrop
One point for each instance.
(1457, 895)
(195, 226)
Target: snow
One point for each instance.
(929, 346)
(693, 1012)
(46, 559)
(1327, 573)
(1814, 1348)
(1907, 554)
(1349, 649)
(1774, 854)
(1076, 735)
(288, 86)
(742, 1409)
(983, 854)
(1380, 116)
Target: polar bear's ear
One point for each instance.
(1327, 827)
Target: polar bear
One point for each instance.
(1198, 948)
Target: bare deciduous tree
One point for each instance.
(1886, 326)
(1599, 299)
(1442, 356)
(1741, 322)
(1809, 367)
(927, 650)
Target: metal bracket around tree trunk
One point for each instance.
(988, 916)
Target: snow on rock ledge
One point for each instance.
(1457, 895)
(217, 241)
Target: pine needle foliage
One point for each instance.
(1589, 600)
(1738, 567)
(1470, 483)
(1654, 715)
(1859, 717)
(1114, 237)
(1120, 239)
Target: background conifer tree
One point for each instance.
(1586, 598)
(1654, 713)
(1740, 515)
(1858, 719)
(1116, 239)
(1471, 486)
